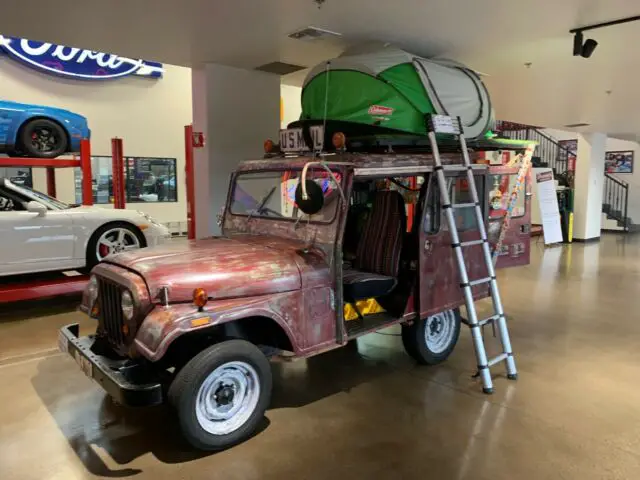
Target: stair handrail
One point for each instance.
(515, 127)
(615, 179)
(616, 196)
(554, 141)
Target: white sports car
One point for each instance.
(40, 233)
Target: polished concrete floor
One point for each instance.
(371, 413)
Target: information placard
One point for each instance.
(548, 203)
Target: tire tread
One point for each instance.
(415, 345)
(188, 379)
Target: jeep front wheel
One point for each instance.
(221, 394)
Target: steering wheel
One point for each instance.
(6, 204)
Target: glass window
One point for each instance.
(458, 193)
(432, 216)
(146, 180)
(500, 193)
(18, 175)
(151, 179)
(272, 194)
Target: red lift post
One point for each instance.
(13, 289)
(118, 173)
(190, 182)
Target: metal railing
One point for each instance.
(549, 151)
(615, 200)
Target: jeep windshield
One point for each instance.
(271, 194)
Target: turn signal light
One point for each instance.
(339, 140)
(200, 297)
(268, 146)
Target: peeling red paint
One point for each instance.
(224, 267)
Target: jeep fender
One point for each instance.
(163, 325)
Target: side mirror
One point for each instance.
(315, 197)
(36, 207)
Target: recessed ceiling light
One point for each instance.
(312, 33)
(280, 68)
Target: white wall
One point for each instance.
(291, 108)
(612, 145)
(149, 115)
(560, 135)
(633, 179)
(588, 182)
(588, 186)
(238, 110)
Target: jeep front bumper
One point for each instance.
(129, 383)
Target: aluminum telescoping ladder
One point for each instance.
(440, 124)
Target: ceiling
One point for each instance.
(496, 37)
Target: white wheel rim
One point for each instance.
(439, 330)
(116, 240)
(227, 398)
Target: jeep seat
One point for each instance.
(375, 268)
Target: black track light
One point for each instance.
(577, 44)
(585, 49)
(582, 48)
(589, 46)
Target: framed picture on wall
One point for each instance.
(618, 162)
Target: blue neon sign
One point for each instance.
(76, 63)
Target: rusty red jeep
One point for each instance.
(292, 276)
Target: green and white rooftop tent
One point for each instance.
(392, 90)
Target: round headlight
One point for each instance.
(92, 290)
(127, 305)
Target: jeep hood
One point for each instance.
(224, 267)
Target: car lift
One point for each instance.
(35, 286)
(42, 285)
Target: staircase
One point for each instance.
(615, 203)
(615, 198)
(549, 153)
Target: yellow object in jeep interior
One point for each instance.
(366, 307)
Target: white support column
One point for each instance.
(237, 110)
(589, 182)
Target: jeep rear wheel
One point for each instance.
(431, 340)
(221, 394)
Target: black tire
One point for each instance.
(40, 126)
(415, 343)
(92, 244)
(184, 389)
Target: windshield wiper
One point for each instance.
(262, 203)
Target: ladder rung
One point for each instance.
(492, 318)
(463, 205)
(471, 243)
(500, 358)
(473, 283)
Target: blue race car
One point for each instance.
(39, 131)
